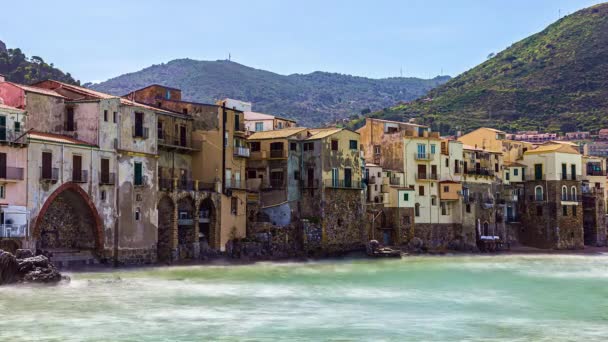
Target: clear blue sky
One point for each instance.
(96, 40)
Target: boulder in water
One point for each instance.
(8, 268)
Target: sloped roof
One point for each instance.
(276, 134)
(57, 138)
(3, 106)
(320, 133)
(257, 116)
(37, 90)
(547, 148)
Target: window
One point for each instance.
(538, 171)
(573, 172)
(417, 210)
(296, 175)
(447, 162)
(103, 195)
(293, 146)
(105, 115)
(406, 196)
(138, 178)
(516, 171)
(564, 193)
(496, 167)
(185, 111)
(444, 208)
(17, 126)
(334, 145)
(353, 144)
(114, 117)
(468, 208)
(446, 188)
(234, 205)
(168, 94)
(507, 175)
(309, 146)
(539, 210)
(236, 122)
(433, 200)
(105, 171)
(574, 210)
(139, 125)
(432, 148)
(564, 210)
(376, 149)
(137, 214)
(259, 126)
(538, 193)
(280, 125)
(334, 177)
(2, 191)
(47, 165)
(69, 120)
(421, 190)
(573, 193)
(255, 146)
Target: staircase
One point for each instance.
(66, 258)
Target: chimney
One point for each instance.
(2, 78)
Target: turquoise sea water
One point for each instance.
(474, 298)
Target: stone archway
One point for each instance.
(165, 244)
(208, 223)
(69, 220)
(185, 227)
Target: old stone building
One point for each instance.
(218, 166)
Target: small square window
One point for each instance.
(353, 144)
(446, 188)
(293, 146)
(515, 172)
(406, 196)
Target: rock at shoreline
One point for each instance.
(32, 269)
(23, 254)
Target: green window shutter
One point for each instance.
(138, 174)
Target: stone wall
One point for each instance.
(343, 220)
(594, 219)
(544, 224)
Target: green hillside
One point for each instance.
(17, 67)
(313, 99)
(556, 80)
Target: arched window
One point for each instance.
(538, 193)
(573, 193)
(564, 193)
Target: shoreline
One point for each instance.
(226, 261)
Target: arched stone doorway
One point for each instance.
(185, 227)
(207, 223)
(69, 220)
(165, 245)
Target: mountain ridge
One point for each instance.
(316, 98)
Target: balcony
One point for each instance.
(140, 132)
(483, 171)
(49, 174)
(70, 127)
(241, 152)
(568, 176)
(396, 181)
(108, 178)
(81, 176)
(202, 186)
(596, 173)
(13, 230)
(185, 184)
(12, 173)
(273, 197)
(278, 154)
(426, 176)
(234, 184)
(571, 199)
(239, 127)
(171, 142)
(11, 136)
(343, 184)
(424, 156)
(371, 180)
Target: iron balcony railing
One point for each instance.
(423, 156)
(483, 171)
(239, 127)
(234, 184)
(344, 184)
(593, 190)
(141, 132)
(568, 176)
(278, 154)
(171, 141)
(49, 174)
(13, 230)
(241, 152)
(202, 186)
(426, 176)
(396, 181)
(596, 173)
(12, 173)
(571, 198)
(12, 136)
(80, 177)
(107, 178)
